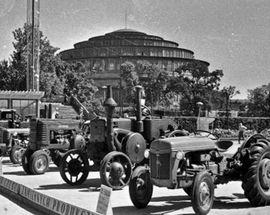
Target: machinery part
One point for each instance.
(39, 162)
(79, 142)
(134, 146)
(188, 190)
(256, 180)
(140, 187)
(26, 161)
(16, 154)
(56, 157)
(115, 170)
(206, 134)
(74, 167)
(203, 193)
(177, 133)
(146, 111)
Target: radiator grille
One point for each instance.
(160, 165)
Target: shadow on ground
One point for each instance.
(175, 203)
(90, 185)
(22, 173)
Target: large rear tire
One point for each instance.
(256, 180)
(26, 161)
(203, 193)
(140, 187)
(74, 167)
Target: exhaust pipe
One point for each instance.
(110, 105)
(139, 123)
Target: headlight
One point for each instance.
(146, 153)
(180, 155)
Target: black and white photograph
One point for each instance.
(138, 107)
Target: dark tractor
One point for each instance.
(49, 139)
(115, 146)
(14, 134)
(198, 163)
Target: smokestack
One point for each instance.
(139, 126)
(109, 105)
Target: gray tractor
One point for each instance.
(197, 163)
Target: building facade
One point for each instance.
(103, 55)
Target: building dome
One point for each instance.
(104, 54)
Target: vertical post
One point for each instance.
(200, 104)
(37, 109)
(33, 43)
(110, 105)
(139, 126)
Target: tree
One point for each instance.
(50, 64)
(259, 101)
(78, 83)
(227, 93)
(194, 83)
(154, 80)
(129, 79)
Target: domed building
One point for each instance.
(104, 54)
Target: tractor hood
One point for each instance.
(185, 144)
(18, 130)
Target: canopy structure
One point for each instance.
(23, 101)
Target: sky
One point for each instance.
(232, 35)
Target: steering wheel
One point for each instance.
(204, 133)
(146, 111)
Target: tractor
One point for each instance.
(49, 140)
(197, 163)
(115, 145)
(14, 134)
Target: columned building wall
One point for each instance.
(103, 55)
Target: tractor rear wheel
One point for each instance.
(140, 187)
(39, 162)
(74, 167)
(256, 180)
(115, 170)
(26, 161)
(16, 154)
(203, 193)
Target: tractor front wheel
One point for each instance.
(256, 180)
(140, 187)
(115, 170)
(74, 167)
(39, 162)
(16, 154)
(203, 193)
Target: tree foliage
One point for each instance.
(259, 101)
(194, 83)
(56, 76)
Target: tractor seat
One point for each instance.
(223, 145)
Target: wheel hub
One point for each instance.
(204, 193)
(74, 167)
(41, 163)
(264, 173)
(117, 170)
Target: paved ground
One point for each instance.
(229, 198)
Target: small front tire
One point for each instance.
(39, 162)
(16, 154)
(140, 187)
(203, 193)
